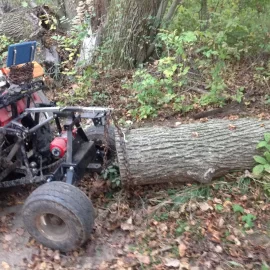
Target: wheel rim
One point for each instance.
(52, 227)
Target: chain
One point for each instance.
(106, 140)
(122, 152)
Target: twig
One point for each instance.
(198, 90)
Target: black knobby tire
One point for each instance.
(59, 216)
(97, 135)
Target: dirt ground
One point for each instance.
(19, 251)
(225, 225)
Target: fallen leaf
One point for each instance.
(227, 204)
(163, 227)
(143, 258)
(42, 266)
(172, 262)
(232, 127)
(232, 238)
(218, 249)
(203, 120)
(127, 227)
(184, 264)
(20, 231)
(204, 206)
(8, 237)
(233, 117)
(195, 134)
(221, 222)
(56, 257)
(216, 200)
(129, 221)
(5, 266)
(182, 249)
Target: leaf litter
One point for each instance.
(225, 225)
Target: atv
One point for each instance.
(45, 144)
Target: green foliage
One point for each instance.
(265, 267)
(154, 91)
(70, 45)
(112, 174)
(4, 43)
(238, 208)
(181, 228)
(24, 4)
(161, 217)
(248, 219)
(230, 31)
(219, 207)
(263, 165)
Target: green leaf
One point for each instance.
(268, 147)
(24, 4)
(267, 155)
(260, 160)
(265, 267)
(238, 208)
(267, 168)
(219, 207)
(257, 170)
(267, 137)
(248, 219)
(261, 144)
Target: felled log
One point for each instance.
(21, 24)
(196, 152)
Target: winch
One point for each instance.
(58, 146)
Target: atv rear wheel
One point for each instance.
(97, 135)
(59, 216)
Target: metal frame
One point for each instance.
(80, 154)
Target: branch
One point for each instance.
(172, 9)
(167, 18)
(198, 90)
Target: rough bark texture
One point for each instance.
(192, 152)
(70, 7)
(21, 24)
(127, 29)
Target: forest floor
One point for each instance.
(223, 225)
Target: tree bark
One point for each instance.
(128, 26)
(21, 24)
(204, 14)
(70, 7)
(195, 152)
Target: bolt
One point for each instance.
(49, 180)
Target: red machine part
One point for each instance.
(6, 115)
(58, 146)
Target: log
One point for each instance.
(197, 152)
(22, 24)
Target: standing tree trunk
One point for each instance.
(127, 30)
(204, 14)
(192, 152)
(131, 29)
(70, 8)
